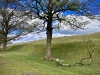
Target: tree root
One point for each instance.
(76, 63)
(81, 61)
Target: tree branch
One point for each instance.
(77, 63)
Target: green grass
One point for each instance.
(27, 58)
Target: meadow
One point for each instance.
(27, 58)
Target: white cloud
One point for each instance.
(30, 37)
(60, 35)
(93, 26)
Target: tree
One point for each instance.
(51, 11)
(13, 21)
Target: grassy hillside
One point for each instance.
(27, 58)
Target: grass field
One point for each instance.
(27, 58)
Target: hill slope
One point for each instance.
(27, 58)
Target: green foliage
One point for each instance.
(27, 58)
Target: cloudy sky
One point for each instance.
(93, 26)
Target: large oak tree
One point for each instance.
(51, 11)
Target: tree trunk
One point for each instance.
(4, 45)
(49, 39)
(48, 45)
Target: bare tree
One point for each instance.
(13, 21)
(51, 11)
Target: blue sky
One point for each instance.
(98, 1)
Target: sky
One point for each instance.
(92, 27)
